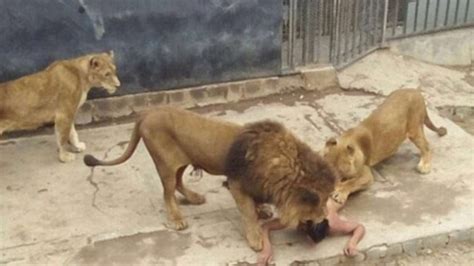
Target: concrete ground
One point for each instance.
(53, 213)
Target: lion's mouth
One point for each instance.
(110, 88)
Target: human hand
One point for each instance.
(264, 257)
(350, 250)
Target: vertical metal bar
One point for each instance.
(447, 14)
(311, 20)
(347, 20)
(395, 17)
(417, 4)
(336, 30)
(367, 23)
(372, 22)
(331, 33)
(323, 6)
(354, 25)
(339, 31)
(284, 52)
(291, 34)
(320, 28)
(436, 14)
(343, 18)
(362, 22)
(385, 18)
(303, 30)
(373, 30)
(456, 12)
(427, 12)
(375, 21)
(405, 12)
(378, 21)
(467, 11)
(327, 15)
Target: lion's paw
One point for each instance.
(178, 224)
(66, 156)
(339, 196)
(255, 239)
(423, 168)
(80, 147)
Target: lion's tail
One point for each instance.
(90, 160)
(440, 130)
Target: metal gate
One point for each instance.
(330, 31)
(339, 32)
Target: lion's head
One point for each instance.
(102, 72)
(348, 154)
(306, 200)
(304, 205)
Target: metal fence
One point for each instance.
(339, 32)
(409, 18)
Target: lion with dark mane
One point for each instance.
(268, 164)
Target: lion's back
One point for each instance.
(29, 101)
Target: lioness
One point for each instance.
(175, 139)
(54, 95)
(378, 137)
(268, 164)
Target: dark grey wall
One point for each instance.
(159, 44)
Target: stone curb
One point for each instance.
(315, 79)
(411, 247)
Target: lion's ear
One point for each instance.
(308, 196)
(331, 142)
(94, 63)
(350, 149)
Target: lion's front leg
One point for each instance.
(62, 126)
(246, 206)
(345, 188)
(77, 145)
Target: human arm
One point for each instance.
(351, 247)
(266, 254)
(337, 226)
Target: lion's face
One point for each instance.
(102, 72)
(305, 205)
(345, 156)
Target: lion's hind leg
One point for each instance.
(418, 138)
(191, 196)
(167, 171)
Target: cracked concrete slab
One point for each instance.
(67, 214)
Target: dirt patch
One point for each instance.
(153, 248)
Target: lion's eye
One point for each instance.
(107, 74)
